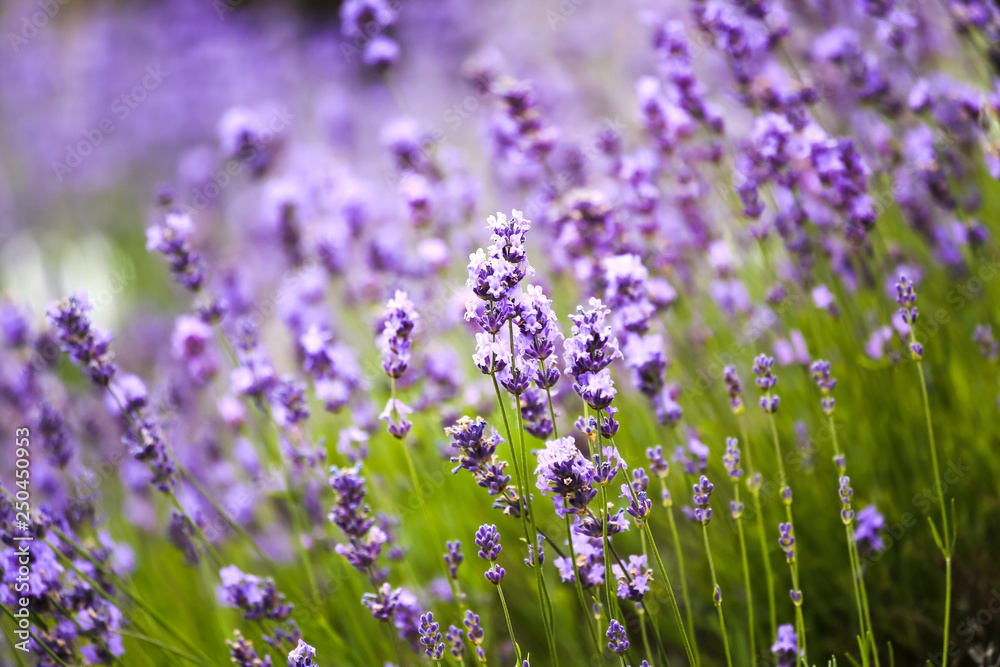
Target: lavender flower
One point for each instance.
(702, 492)
(866, 534)
(476, 452)
(633, 579)
(657, 463)
(731, 459)
(906, 296)
(430, 637)
(488, 541)
(474, 633)
(787, 541)
(618, 640)
(735, 388)
(567, 474)
(453, 558)
(243, 654)
(786, 646)
(87, 346)
(302, 655)
(171, 237)
(455, 643)
(845, 491)
(988, 345)
(383, 603)
(589, 352)
(394, 339)
(590, 561)
(256, 597)
(821, 374)
(766, 380)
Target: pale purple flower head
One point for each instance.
(302, 655)
(869, 523)
(786, 646)
(565, 473)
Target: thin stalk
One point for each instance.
(855, 576)
(761, 535)
(715, 598)
(642, 628)
(680, 566)
(746, 578)
(606, 544)
(164, 646)
(656, 629)
(799, 620)
(548, 394)
(794, 563)
(510, 627)
(579, 589)
(670, 594)
(946, 539)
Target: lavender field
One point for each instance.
(559, 333)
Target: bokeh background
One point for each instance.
(104, 106)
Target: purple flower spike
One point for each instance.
(618, 640)
(869, 523)
(762, 366)
(639, 505)
(846, 492)
(787, 541)
(633, 580)
(474, 631)
(454, 558)
(302, 655)
(488, 541)
(398, 323)
(567, 474)
(455, 643)
(86, 345)
(731, 459)
(821, 374)
(495, 574)
(702, 492)
(657, 463)
(256, 597)
(735, 388)
(430, 637)
(786, 647)
(171, 237)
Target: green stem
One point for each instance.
(645, 634)
(579, 589)
(670, 594)
(746, 579)
(855, 580)
(793, 565)
(761, 535)
(946, 538)
(717, 600)
(510, 627)
(680, 566)
(164, 646)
